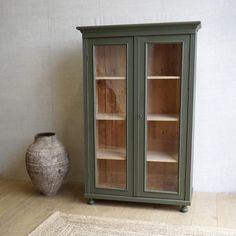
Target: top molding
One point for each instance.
(189, 27)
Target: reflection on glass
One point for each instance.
(163, 105)
(110, 80)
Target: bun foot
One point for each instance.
(91, 201)
(183, 209)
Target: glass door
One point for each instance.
(113, 99)
(162, 115)
(165, 90)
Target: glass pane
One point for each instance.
(110, 80)
(163, 107)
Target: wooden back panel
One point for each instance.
(164, 59)
(110, 60)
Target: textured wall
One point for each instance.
(41, 78)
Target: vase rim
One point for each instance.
(45, 135)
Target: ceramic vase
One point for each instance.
(47, 163)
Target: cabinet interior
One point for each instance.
(110, 61)
(110, 80)
(162, 118)
(164, 59)
(163, 65)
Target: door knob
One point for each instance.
(140, 116)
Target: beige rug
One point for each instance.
(60, 224)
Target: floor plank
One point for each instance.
(22, 208)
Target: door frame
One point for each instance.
(91, 115)
(140, 108)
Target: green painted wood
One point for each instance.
(135, 120)
(190, 121)
(140, 29)
(128, 41)
(184, 39)
(138, 35)
(86, 114)
(138, 199)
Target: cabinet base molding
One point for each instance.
(177, 202)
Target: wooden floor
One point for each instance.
(22, 208)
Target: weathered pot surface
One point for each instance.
(47, 163)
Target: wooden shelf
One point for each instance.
(158, 156)
(111, 154)
(152, 156)
(112, 185)
(110, 78)
(150, 117)
(110, 116)
(162, 117)
(163, 77)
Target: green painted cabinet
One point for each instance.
(139, 104)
